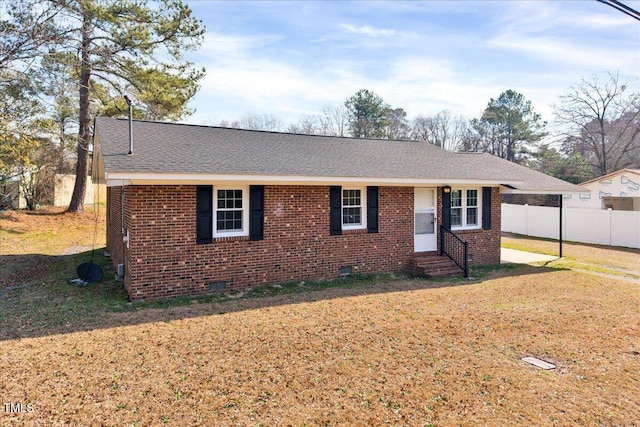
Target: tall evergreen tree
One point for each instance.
(508, 125)
(367, 114)
(127, 46)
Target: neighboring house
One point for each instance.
(58, 193)
(618, 190)
(64, 189)
(196, 209)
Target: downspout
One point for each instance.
(560, 231)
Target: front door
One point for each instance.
(425, 231)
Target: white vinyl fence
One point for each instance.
(604, 227)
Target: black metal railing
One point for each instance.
(455, 248)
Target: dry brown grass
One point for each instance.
(605, 256)
(606, 261)
(28, 239)
(49, 231)
(393, 353)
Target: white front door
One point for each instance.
(425, 230)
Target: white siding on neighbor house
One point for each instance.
(604, 227)
(64, 189)
(625, 184)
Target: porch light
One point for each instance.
(446, 189)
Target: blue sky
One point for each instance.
(290, 58)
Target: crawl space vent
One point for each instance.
(217, 286)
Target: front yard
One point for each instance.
(375, 351)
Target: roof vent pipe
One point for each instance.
(126, 98)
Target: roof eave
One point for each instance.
(118, 178)
(542, 191)
(610, 175)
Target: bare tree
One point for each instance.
(266, 122)
(443, 130)
(334, 120)
(307, 125)
(602, 122)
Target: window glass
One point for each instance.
(424, 223)
(464, 208)
(472, 197)
(472, 216)
(351, 207)
(456, 217)
(229, 210)
(456, 198)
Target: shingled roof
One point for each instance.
(170, 151)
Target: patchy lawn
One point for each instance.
(384, 351)
(608, 260)
(30, 239)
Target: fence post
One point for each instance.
(560, 230)
(610, 226)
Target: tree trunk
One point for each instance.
(84, 134)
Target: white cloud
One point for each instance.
(561, 52)
(536, 48)
(368, 30)
(218, 44)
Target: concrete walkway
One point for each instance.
(522, 257)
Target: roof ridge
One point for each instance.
(265, 131)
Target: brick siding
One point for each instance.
(484, 245)
(164, 259)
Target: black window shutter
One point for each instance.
(446, 210)
(335, 210)
(486, 208)
(204, 214)
(372, 209)
(256, 212)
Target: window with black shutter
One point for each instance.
(486, 208)
(372, 209)
(335, 210)
(204, 214)
(256, 212)
(461, 208)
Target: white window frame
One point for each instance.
(245, 212)
(464, 207)
(363, 209)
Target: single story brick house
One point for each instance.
(194, 209)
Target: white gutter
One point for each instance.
(124, 178)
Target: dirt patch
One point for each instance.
(76, 249)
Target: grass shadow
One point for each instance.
(45, 303)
